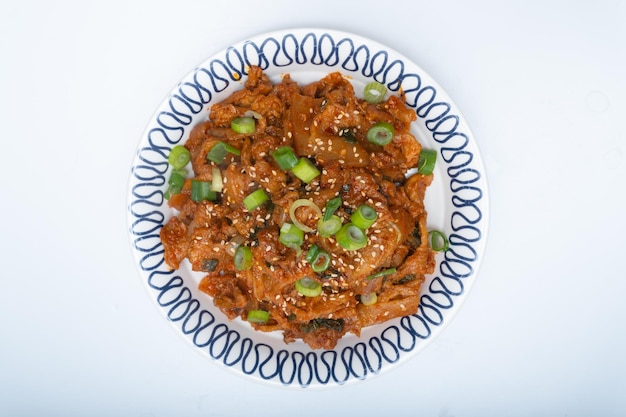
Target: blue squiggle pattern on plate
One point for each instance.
(217, 337)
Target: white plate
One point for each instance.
(457, 203)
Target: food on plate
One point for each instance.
(304, 207)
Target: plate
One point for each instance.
(457, 203)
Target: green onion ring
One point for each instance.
(291, 236)
(201, 190)
(374, 92)
(303, 203)
(254, 200)
(369, 299)
(243, 258)
(285, 157)
(305, 170)
(350, 237)
(381, 133)
(245, 125)
(308, 287)
(426, 161)
(179, 157)
(327, 228)
(318, 258)
(364, 216)
(438, 241)
(258, 316)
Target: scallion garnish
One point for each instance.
(318, 258)
(426, 161)
(374, 92)
(381, 133)
(217, 183)
(179, 157)
(327, 228)
(382, 273)
(285, 157)
(305, 170)
(308, 287)
(369, 299)
(243, 258)
(331, 206)
(302, 202)
(176, 181)
(351, 237)
(244, 125)
(219, 150)
(258, 316)
(364, 216)
(253, 200)
(438, 241)
(201, 190)
(291, 236)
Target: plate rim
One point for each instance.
(484, 198)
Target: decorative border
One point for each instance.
(213, 334)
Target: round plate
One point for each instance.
(456, 203)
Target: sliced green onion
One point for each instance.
(258, 316)
(369, 299)
(201, 190)
(321, 262)
(374, 92)
(382, 273)
(327, 228)
(243, 258)
(179, 157)
(308, 287)
(291, 236)
(285, 157)
(438, 241)
(426, 161)
(303, 203)
(253, 200)
(331, 206)
(217, 184)
(244, 125)
(364, 216)
(305, 170)
(380, 133)
(219, 150)
(318, 258)
(351, 237)
(312, 253)
(176, 181)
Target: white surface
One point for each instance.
(541, 84)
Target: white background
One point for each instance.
(542, 84)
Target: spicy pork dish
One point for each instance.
(304, 207)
